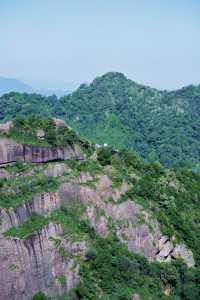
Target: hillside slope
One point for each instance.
(159, 125)
(92, 223)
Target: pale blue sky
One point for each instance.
(62, 43)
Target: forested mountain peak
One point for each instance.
(159, 125)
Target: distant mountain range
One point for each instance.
(8, 85)
(13, 85)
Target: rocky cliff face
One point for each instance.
(11, 152)
(34, 264)
(145, 238)
(47, 260)
(41, 204)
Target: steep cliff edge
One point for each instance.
(69, 227)
(36, 147)
(11, 152)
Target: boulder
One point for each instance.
(162, 241)
(181, 251)
(40, 134)
(165, 250)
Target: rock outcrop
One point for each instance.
(35, 264)
(41, 204)
(11, 151)
(134, 226)
(181, 251)
(168, 251)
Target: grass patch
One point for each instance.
(90, 183)
(90, 166)
(69, 216)
(15, 191)
(28, 228)
(62, 280)
(25, 131)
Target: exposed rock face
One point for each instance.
(34, 264)
(141, 237)
(76, 248)
(181, 251)
(42, 204)
(99, 223)
(10, 151)
(56, 169)
(167, 251)
(6, 127)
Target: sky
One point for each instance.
(63, 43)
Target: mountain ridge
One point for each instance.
(8, 85)
(11, 84)
(159, 125)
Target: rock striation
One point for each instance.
(35, 264)
(133, 225)
(41, 204)
(11, 151)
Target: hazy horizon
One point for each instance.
(60, 45)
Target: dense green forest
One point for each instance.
(159, 125)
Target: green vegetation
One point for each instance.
(28, 228)
(159, 125)
(25, 131)
(90, 166)
(17, 190)
(174, 201)
(104, 155)
(172, 196)
(70, 217)
(109, 271)
(62, 280)
(39, 296)
(19, 167)
(115, 273)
